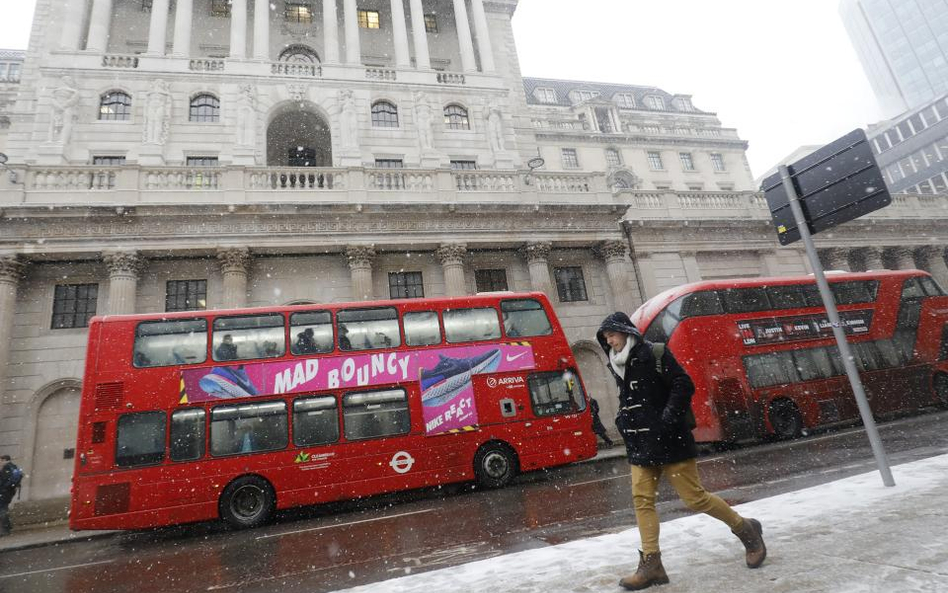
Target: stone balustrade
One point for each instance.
(451, 78)
(296, 69)
(380, 74)
(206, 65)
(400, 180)
(301, 178)
(573, 183)
(181, 179)
(487, 181)
(119, 61)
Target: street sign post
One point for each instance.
(836, 184)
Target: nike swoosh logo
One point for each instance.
(513, 358)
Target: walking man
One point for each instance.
(9, 481)
(598, 426)
(654, 411)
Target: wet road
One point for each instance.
(337, 546)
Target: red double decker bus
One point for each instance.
(762, 355)
(233, 414)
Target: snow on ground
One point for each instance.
(850, 536)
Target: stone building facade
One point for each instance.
(214, 154)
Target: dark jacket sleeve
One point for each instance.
(681, 388)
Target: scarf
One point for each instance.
(619, 359)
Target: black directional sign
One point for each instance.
(837, 183)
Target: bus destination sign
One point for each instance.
(775, 330)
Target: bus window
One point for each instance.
(774, 368)
(422, 328)
(315, 421)
(167, 343)
(787, 297)
(704, 302)
(524, 318)
(867, 356)
(556, 393)
(836, 359)
(140, 439)
(248, 428)
(745, 300)
(374, 414)
(311, 332)
(246, 337)
(850, 293)
(890, 353)
(812, 294)
(471, 325)
(930, 287)
(912, 289)
(365, 329)
(187, 434)
(943, 348)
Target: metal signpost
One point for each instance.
(838, 183)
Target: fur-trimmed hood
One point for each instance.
(617, 322)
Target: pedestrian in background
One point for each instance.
(598, 426)
(654, 404)
(10, 476)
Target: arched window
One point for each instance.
(115, 106)
(384, 115)
(455, 118)
(205, 108)
(299, 54)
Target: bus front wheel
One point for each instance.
(248, 501)
(494, 465)
(940, 382)
(785, 419)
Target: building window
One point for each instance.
(687, 162)
(455, 118)
(695, 187)
(587, 95)
(202, 161)
(655, 161)
(545, 95)
(613, 158)
(369, 19)
(490, 280)
(570, 159)
(683, 104)
(115, 106)
(205, 108)
(298, 12)
(625, 101)
(464, 165)
(570, 285)
(389, 164)
(384, 115)
(431, 23)
(717, 162)
(405, 285)
(108, 161)
(220, 7)
(146, 5)
(653, 102)
(74, 305)
(186, 295)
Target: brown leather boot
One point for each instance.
(752, 536)
(650, 572)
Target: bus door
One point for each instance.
(735, 410)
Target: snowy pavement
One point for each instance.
(850, 536)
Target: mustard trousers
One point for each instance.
(683, 476)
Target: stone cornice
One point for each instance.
(633, 139)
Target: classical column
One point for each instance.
(238, 29)
(400, 34)
(872, 258)
(261, 30)
(353, 47)
(933, 262)
(468, 64)
(647, 273)
(537, 256)
(183, 15)
(835, 258)
(124, 268)
(360, 266)
(689, 261)
(452, 261)
(616, 257)
(73, 16)
(11, 270)
(420, 35)
(158, 29)
(904, 258)
(99, 23)
(484, 47)
(330, 32)
(235, 262)
(770, 265)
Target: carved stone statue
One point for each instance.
(157, 114)
(246, 115)
(495, 126)
(424, 119)
(63, 111)
(349, 119)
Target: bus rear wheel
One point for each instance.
(494, 465)
(248, 501)
(940, 383)
(785, 419)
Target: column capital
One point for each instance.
(927, 252)
(870, 251)
(12, 269)
(901, 251)
(452, 254)
(612, 250)
(360, 256)
(536, 252)
(234, 259)
(123, 263)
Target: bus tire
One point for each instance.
(785, 419)
(248, 501)
(495, 465)
(940, 385)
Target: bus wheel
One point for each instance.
(940, 382)
(785, 419)
(494, 465)
(248, 501)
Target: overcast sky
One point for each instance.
(730, 55)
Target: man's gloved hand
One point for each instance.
(670, 417)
